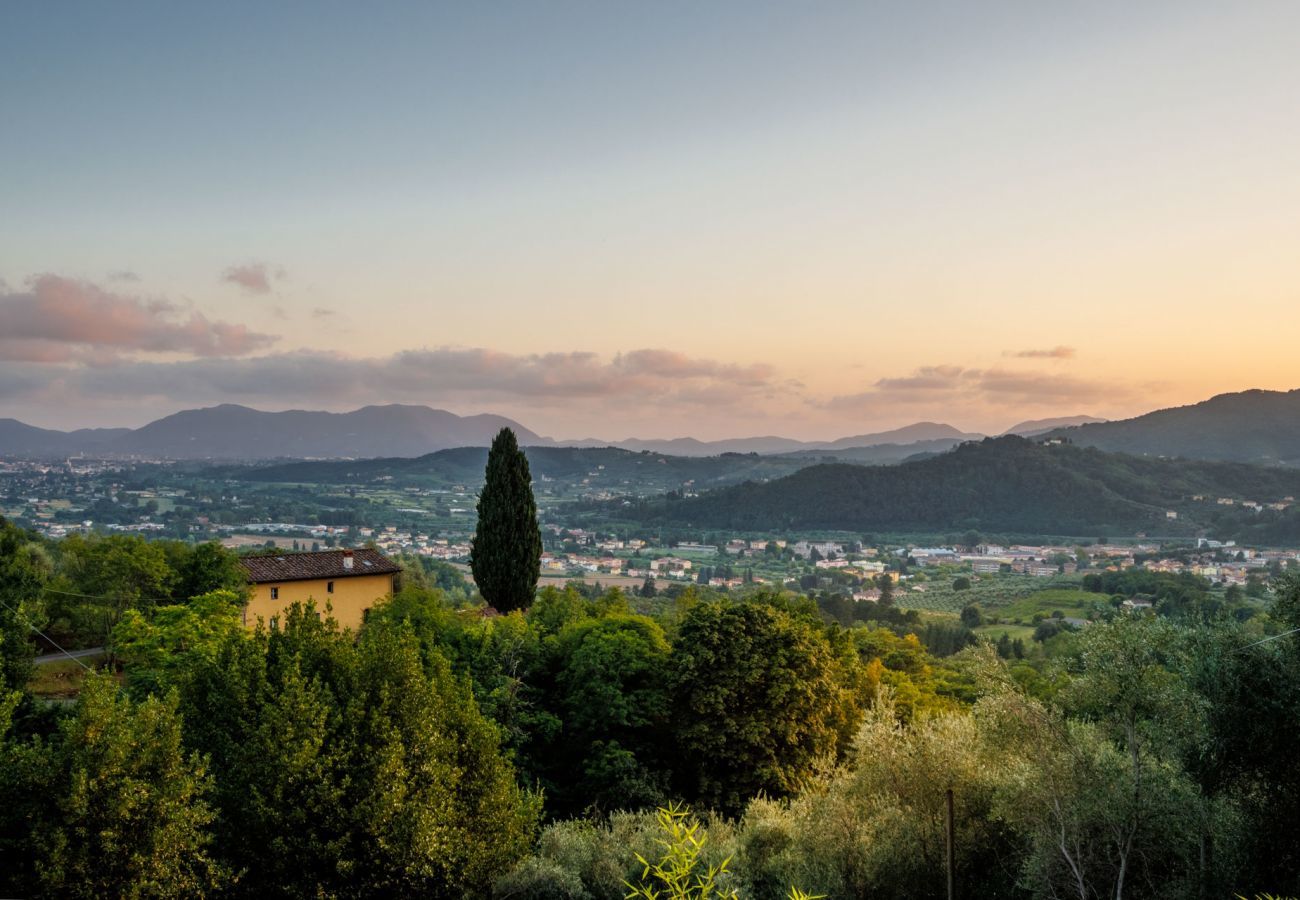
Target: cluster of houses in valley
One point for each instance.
(591, 553)
(1219, 562)
(1223, 563)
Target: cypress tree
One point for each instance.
(506, 556)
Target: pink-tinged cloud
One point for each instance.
(62, 319)
(669, 364)
(255, 278)
(448, 375)
(1061, 352)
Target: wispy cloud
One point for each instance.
(956, 388)
(1061, 352)
(254, 277)
(926, 378)
(63, 319)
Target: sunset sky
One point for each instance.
(653, 220)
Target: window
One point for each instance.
(329, 587)
(275, 593)
(365, 614)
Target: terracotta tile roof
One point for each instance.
(325, 564)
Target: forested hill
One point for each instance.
(1248, 426)
(603, 467)
(1005, 484)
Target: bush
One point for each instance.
(603, 857)
(540, 879)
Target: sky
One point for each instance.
(653, 220)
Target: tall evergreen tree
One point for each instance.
(507, 552)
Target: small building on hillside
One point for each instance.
(348, 581)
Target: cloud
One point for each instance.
(62, 319)
(926, 378)
(254, 278)
(321, 312)
(956, 389)
(451, 375)
(1052, 353)
(1046, 387)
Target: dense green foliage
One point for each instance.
(96, 580)
(761, 697)
(24, 570)
(507, 548)
(1141, 755)
(351, 765)
(1003, 484)
(111, 803)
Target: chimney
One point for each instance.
(347, 559)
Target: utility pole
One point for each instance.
(952, 853)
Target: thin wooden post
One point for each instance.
(952, 853)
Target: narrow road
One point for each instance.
(74, 654)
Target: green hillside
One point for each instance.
(1002, 484)
(624, 471)
(1249, 426)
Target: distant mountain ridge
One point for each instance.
(19, 438)
(233, 432)
(909, 434)
(1042, 426)
(1248, 426)
(229, 431)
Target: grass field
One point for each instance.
(1070, 603)
(62, 680)
(993, 632)
(989, 591)
(1013, 599)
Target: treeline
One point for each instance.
(1003, 484)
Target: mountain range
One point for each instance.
(237, 432)
(232, 432)
(1251, 426)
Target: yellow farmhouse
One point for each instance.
(349, 581)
